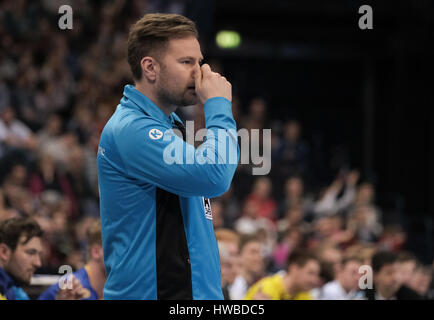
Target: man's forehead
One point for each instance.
(311, 263)
(25, 242)
(390, 267)
(184, 47)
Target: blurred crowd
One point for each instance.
(295, 233)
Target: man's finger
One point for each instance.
(206, 69)
(197, 77)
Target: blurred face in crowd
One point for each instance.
(229, 261)
(333, 256)
(406, 271)
(18, 174)
(366, 253)
(251, 257)
(25, 259)
(54, 125)
(294, 237)
(8, 115)
(349, 275)
(386, 280)
(306, 277)
(294, 215)
(365, 194)
(327, 226)
(294, 187)
(234, 260)
(365, 215)
(420, 281)
(263, 187)
(175, 80)
(257, 108)
(251, 209)
(292, 131)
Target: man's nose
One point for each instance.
(37, 262)
(196, 69)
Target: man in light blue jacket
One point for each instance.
(157, 230)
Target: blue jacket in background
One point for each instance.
(82, 276)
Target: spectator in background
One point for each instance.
(293, 218)
(15, 136)
(330, 229)
(346, 284)
(268, 238)
(421, 280)
(301, 275)
(363, 222)
(294, 196)
(20, 251)
(365, 195)
(257, 115)
(250, 222)
(387, 284)
(82, 123)
(329, 203)
(51, 131)
(229, 242)
(252, 267)
(92, 276)
(392, 238)
(48, 177)
(330, 257)
(406, 267)
(292, 156)
(59, 148)
(6, 212)
(14, 190)
(22, 236)
(6, 281)
(262, 199)
(292, 239)
(82, 190)
(366, 252)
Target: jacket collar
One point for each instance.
(6, 281)
(146, 105)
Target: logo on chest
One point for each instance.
(207, 208)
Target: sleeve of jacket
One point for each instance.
(176, 166)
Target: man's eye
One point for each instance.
(185, 62)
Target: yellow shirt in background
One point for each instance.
(272, 286)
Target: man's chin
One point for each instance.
(27, 280)
(189, 102)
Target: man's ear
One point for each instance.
(5, 253)
(97, 252)
(150, 68)
(293, 268)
